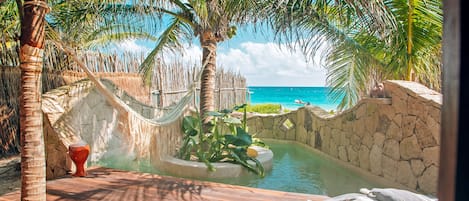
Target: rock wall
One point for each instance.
(397, 138)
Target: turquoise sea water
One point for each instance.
(287, 95)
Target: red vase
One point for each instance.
(79, 153)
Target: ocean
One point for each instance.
(289, 97)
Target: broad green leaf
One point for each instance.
(226, 111)
(232, 120)
(190, 125)
(215, 114)
(241, 139)
(235, 108)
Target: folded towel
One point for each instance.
(382, 194)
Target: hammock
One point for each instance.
(131, 134)
(168, 117)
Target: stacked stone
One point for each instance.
(397, 138)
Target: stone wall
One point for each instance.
(397, 138)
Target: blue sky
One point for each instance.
(256, 56)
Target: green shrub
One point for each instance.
(267, 108)
(227, 140)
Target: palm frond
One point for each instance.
(201, 11)
(169, 39)
(346, 75)
(183, 6)
(374, 14)
(104, 40)
(362, 37)
(9, 20)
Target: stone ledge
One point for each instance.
(193, 169)
(379, 101)
(417, 90)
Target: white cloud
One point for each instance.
(130, 45)
(263, 64)
(192, 54)
(268, 64)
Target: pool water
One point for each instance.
(295, 169)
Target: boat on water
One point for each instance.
(299, 101)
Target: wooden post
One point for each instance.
(188, 78)
(220, 78)
(160, 82)
(234, 91)
(453, 61)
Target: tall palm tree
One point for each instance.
(212, 21)
(33, 166)
(80, 24)
(33, 26)
(86, 25)
(366, 41)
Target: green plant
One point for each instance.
(264, 108)
(227, 140)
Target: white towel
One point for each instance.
(382, 194)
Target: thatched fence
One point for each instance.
(169, 83)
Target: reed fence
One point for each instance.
(170, 82)
(174, 80)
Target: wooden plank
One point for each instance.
(110, 184)
(451, 111)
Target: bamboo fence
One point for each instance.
(173, 82)
(170, 82)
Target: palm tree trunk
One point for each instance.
(33, 166)
(207, 86)
(410, 24)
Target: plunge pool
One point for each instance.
(296, 168)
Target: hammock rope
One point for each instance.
(166, 118)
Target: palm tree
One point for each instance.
(33, 166)
(66, 22)
(33, 26)
(80, 24)
(366, 41)
(86, 25)
(212, 21)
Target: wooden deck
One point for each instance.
(110, 184)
